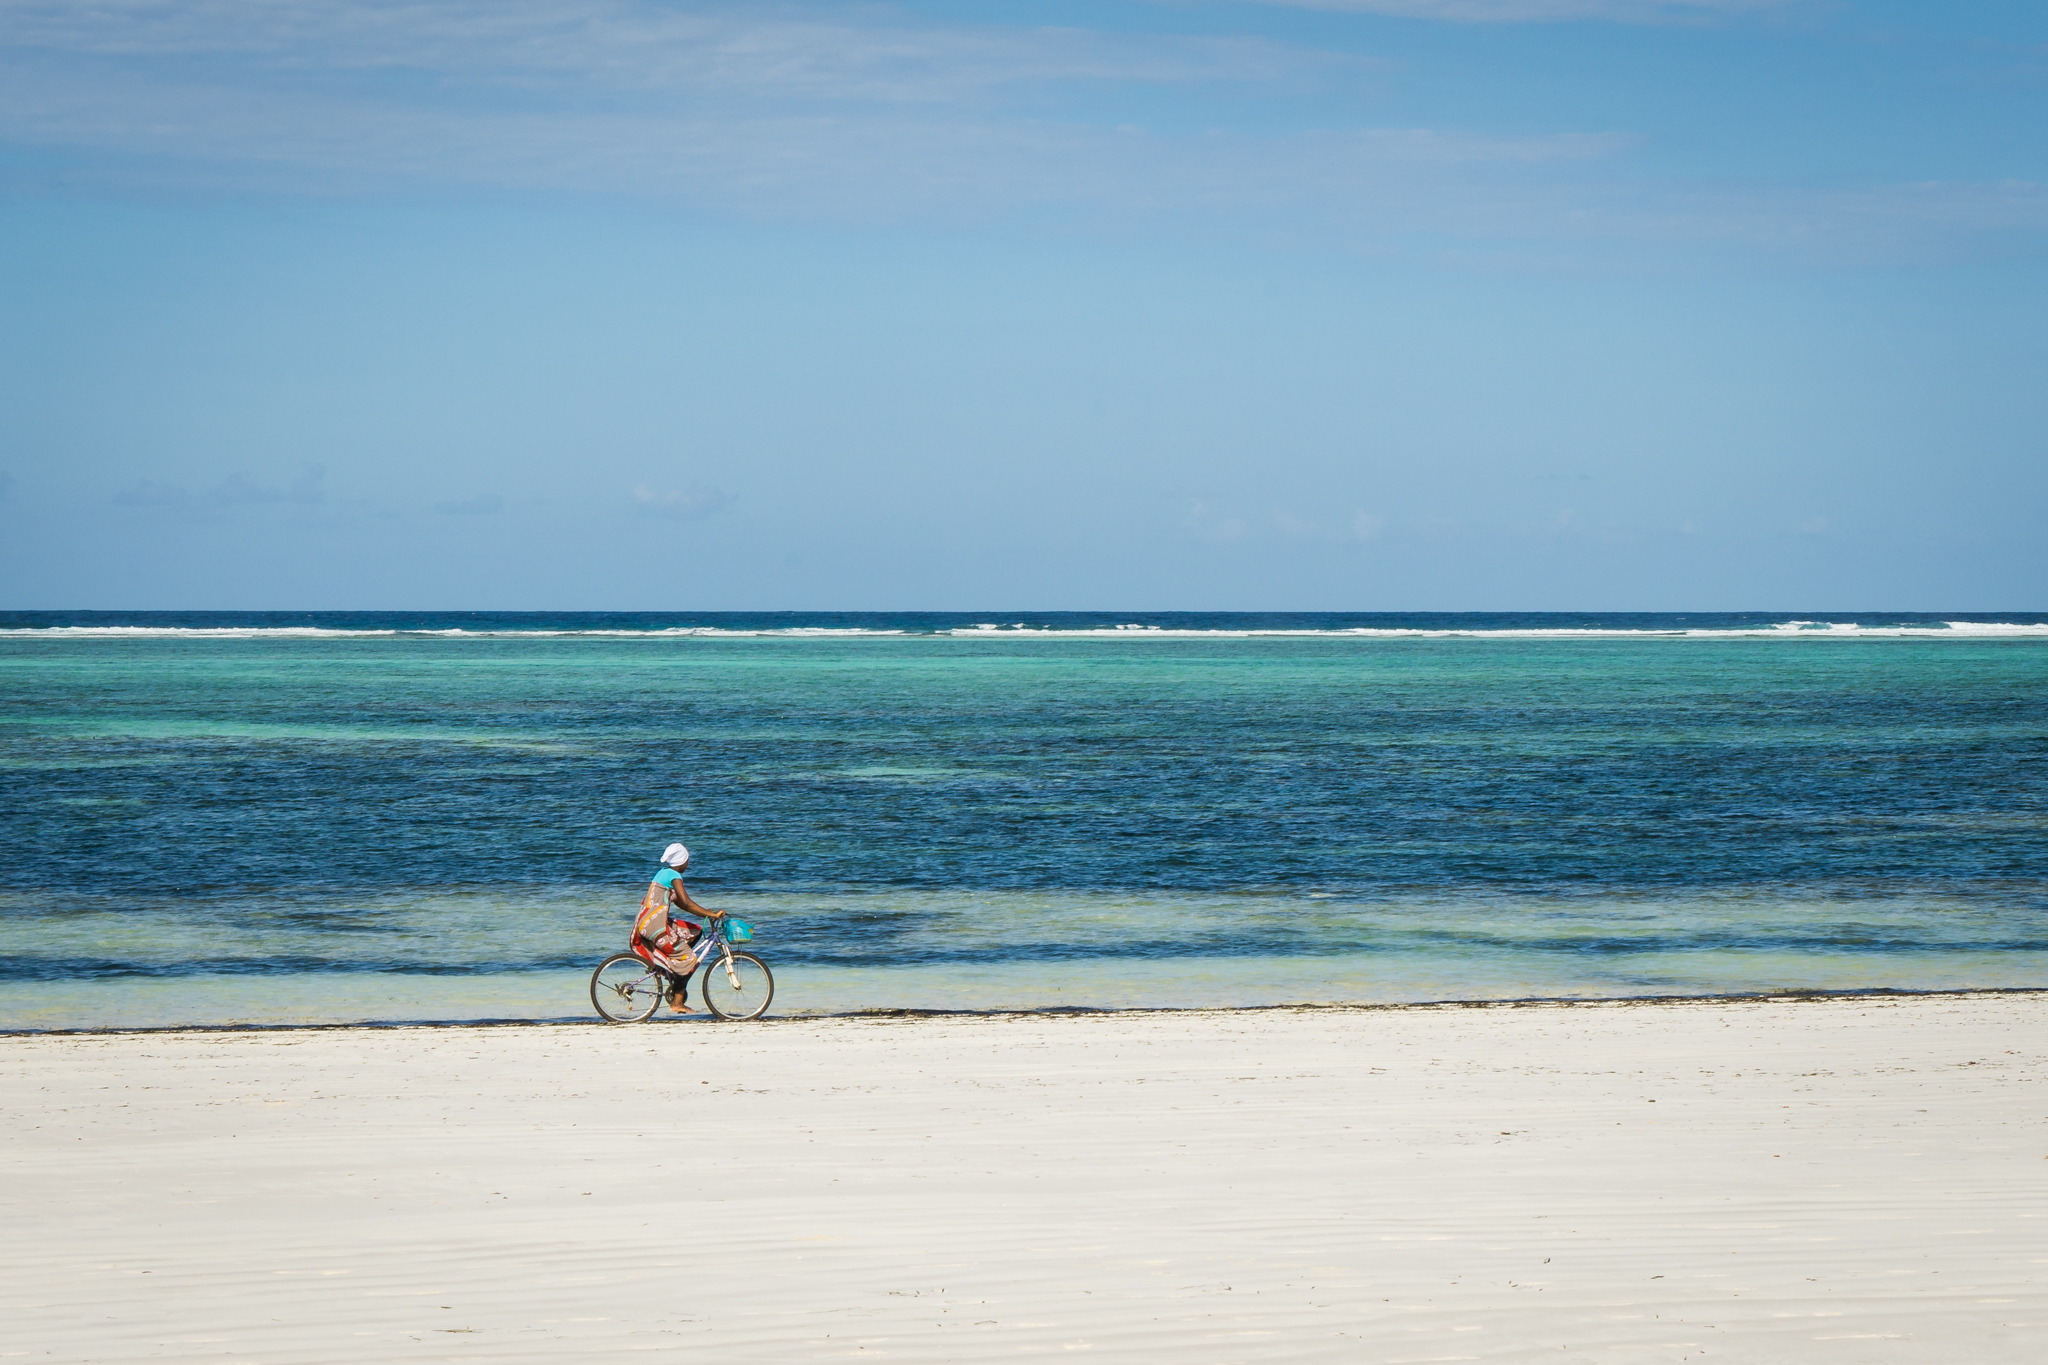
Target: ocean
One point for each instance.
(219, 818)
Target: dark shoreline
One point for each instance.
(1054, 1011)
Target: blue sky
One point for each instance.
(1365, 304)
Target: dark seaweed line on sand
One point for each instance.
(902, 1013)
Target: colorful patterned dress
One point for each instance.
(654, 933)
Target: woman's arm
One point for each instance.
(680, 898)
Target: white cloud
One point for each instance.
(482, 505)
(1232, 523)
(1214, 525)
(693, 501)
(1543, 11)
(150, 493)
(741, 108)
(544, 48)
(878, 165)
(775, 114)
(238, 489)
(852, 116)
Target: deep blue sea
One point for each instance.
(274, 817)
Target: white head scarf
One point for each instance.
(675, 855)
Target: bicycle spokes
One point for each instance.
(626, 989)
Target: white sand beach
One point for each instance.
(1828, 1180)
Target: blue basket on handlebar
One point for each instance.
(738, 930)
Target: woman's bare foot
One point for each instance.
(680, 1004)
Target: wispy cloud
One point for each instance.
(1217, 525)
(482, 505)
(1233, 522)
(871, 116)
(1545, 11)
(236, 490)
(745, 108)
(150, 493)
(542, 48)
(239, 489)
(695, 500)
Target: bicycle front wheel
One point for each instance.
(626, 989)
(739, 989)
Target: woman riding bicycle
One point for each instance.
(657, 934)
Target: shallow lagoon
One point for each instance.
(259, 826)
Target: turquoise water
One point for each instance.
(421, 816)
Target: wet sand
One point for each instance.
(1833, 1180)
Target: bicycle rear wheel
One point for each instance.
(626, 989)
(743, 993)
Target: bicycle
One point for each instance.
(629, 987)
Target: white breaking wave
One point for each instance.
(1782, 630)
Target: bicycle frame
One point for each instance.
(686, 964)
